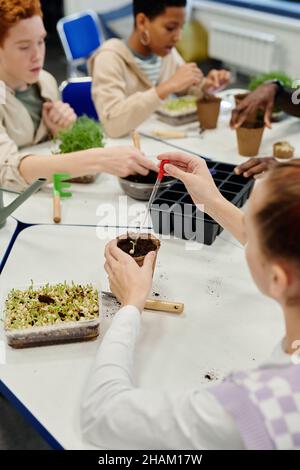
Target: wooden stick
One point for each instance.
(164, 306)
(170, 134)
(158, 305)
(136, 140)
(56, 209)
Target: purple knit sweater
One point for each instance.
(265, 404)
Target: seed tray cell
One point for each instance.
(173, 195)
(231, 187)
(221, 175)
(229, 196)
(179, 187)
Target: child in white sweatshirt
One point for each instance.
(249, 410)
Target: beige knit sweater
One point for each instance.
(17, 131)
(123, 95)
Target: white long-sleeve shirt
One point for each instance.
(115, 414)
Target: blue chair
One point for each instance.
(77, 92)
(80, 35)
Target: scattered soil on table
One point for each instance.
(211, 376)
(214, 287)
(142, 247)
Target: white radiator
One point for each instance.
(251, 51)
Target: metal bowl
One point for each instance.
(142, 190)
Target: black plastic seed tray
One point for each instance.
(173, 211)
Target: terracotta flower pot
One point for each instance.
(252, 117)
(208, 109)
(249, 137)
(146, 242)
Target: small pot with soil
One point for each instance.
(208, 108)
(140, 187)
(249, 137)
(139, 245)
(87, 179)
(252, 117)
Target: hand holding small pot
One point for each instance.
(262, 98)
(216, 80)
(195, 175)
(130, 283)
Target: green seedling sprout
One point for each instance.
(131, 252)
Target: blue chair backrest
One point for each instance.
(80, 34)
(77, 92)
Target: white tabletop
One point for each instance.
(227, 323)
(6, 234)
(220, 144)
(105, 203)
(100, 203)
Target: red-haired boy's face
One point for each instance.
(23, 52)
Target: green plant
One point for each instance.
(84, 134)
(258, 80)
(183, 104)
(50, 304)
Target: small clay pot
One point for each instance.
(249, 137)
(146, 242)
(208, 109)
(252, 117)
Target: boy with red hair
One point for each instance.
(31, 111)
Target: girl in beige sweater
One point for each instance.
(131, 79)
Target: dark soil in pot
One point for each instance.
(149, 179)
(142, 247)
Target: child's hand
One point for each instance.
(216, 80)
(195, 175)
(255, 166)
(262, 98)
(186, 76)
(58, 116)
(128, 282)
(127, 160)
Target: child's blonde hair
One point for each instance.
(13, 11)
